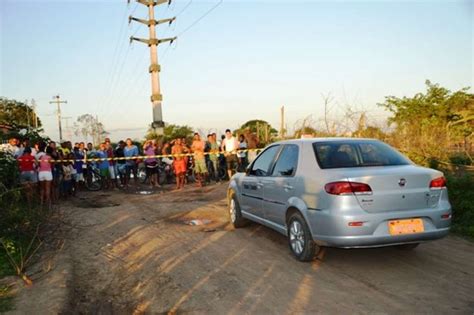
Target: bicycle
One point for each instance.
(165, 173)
(93, 181)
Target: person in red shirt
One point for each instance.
(28, 176)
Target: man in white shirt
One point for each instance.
(230, 145)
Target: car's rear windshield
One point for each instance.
(339, 154)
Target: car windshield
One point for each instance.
(339, 154)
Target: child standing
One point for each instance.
(67, 178)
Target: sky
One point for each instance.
(241, 61)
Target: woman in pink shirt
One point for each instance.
(45, 176)
(151, 163)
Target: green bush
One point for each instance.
(9, 174)
(461, 195)
(18, 220)
(460, 159)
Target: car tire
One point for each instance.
(235, 216)
(411, 246)
(300, 241)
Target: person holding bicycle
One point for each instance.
(213, 157)
(131, 152)
(121, 163)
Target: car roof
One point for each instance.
(327, 139)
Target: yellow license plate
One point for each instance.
(408, 226)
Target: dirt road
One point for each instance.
(131, 253)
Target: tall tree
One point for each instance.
(264, 131)
(87, 125)
(171, 131)
(17, 114)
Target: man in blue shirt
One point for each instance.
(131, 151)
(103, 164)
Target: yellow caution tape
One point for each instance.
(142, 157)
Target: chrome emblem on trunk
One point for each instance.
(402, 182)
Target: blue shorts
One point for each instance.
(28, 177)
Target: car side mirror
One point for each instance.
(248, 170)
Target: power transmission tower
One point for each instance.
(33, 106)
(57, 100)
(28, 115)
(154, 69)
(282, 122)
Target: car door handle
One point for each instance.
(259, 185)
(288, 187)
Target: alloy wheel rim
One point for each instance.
(232, 210)
(297, 237)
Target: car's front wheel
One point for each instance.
(235, 216)
(299, 238)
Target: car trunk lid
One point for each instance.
(395, 188)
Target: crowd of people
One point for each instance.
(59, 171)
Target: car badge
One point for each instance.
(402, 182)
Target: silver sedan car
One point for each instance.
(340, 192)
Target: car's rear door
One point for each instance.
(279, 187)
(252, 184)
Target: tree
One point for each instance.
(17, 114)
(171, 131)
(87, 125)
(305, 130)
(430, 123)
(371, 132)
(264, 131)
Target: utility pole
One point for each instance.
(68, 130)
(154, 69)
(28, 115)
(35, 117)
(258, 132)
(58, 102)
(97, 131)
(282, 122)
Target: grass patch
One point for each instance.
(6, 300)
(6, 268)
(461, 195)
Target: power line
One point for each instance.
(134, 8)
(202, 17)
(115, 58)
(184, 8)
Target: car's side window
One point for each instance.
(262, 164)
(287, 161)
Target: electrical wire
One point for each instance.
(134, 9)
(113, 67)
(199, 19)
(184, 8)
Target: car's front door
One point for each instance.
(252, 185)
(279, 186)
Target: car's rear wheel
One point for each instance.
(411, 246)
(299, 238)
(235, 216)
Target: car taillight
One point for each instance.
(439, 182)
(344, 188)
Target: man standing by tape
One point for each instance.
(199, 160)
(229, 146)
(179, 162)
